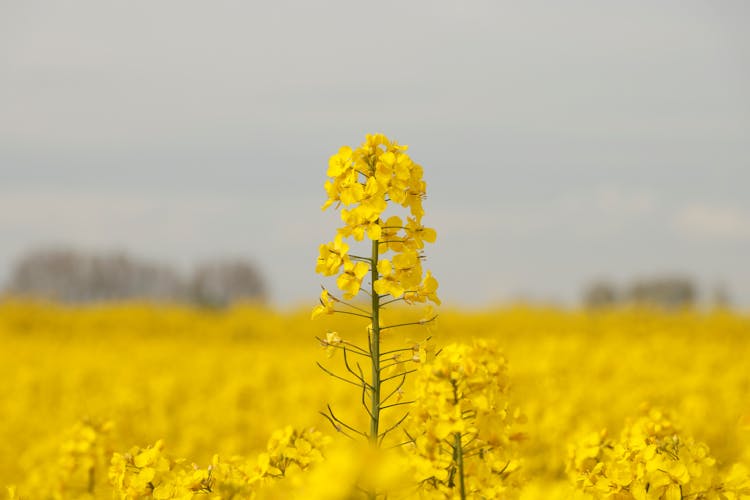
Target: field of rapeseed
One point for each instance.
(381, 397)
(83, 386)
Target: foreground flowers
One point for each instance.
(652, 459)
(144, 373)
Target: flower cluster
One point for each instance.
(149, 472)
(363, 181)
(290, 450)
(652, 459)
(463, 427)
(87, 447)
(78, 469)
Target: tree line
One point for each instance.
(73, 276)
(669, 292)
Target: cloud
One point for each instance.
(594, 211)
(621, 202)
(713, 222)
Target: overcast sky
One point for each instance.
(561, 141)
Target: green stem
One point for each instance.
(375, 348)
(458, 452)
(460, 463)
(92, 480)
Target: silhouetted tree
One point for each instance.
(73, 276)
(220, 283)
(600, 294)
(669, 292)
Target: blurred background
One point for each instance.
(574, 151)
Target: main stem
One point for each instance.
(458, 452)
(460, 463)
(375, 348)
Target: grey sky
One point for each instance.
(562, 141)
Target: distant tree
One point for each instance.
(721, 298)
(219, 283)
(600, 294)
(669, 292)
(72, 276)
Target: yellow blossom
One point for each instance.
(332, 256)
(350, 280)
(325, 307)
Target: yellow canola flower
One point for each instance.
(400, 274)
(390, 238)
(325, 307)
(389, 282)
(332, 256)
(427, 290)
(418, 234)
(399, 164)
(332, 339)
(350, 281)
(350, 190)
(341, 162)
(357, 225)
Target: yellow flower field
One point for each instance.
(382, 397)
(82, 385)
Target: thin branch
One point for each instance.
(329, 372)
(396, 363)
(364, 402)
(400, 403)
(394, 351)
(353, 348)
(397, 375)
(391, 301)
(389, 429)
(501, 471)
(365, 385)
(413, 440)
(384, 242)
(359, 257)
(335, 425)
(354, 307)
(398, 445)
(394, 391)
(420, 322)
(341, 301)
(474, 437)
(334, 417)
(353, 314)
(474, 452)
